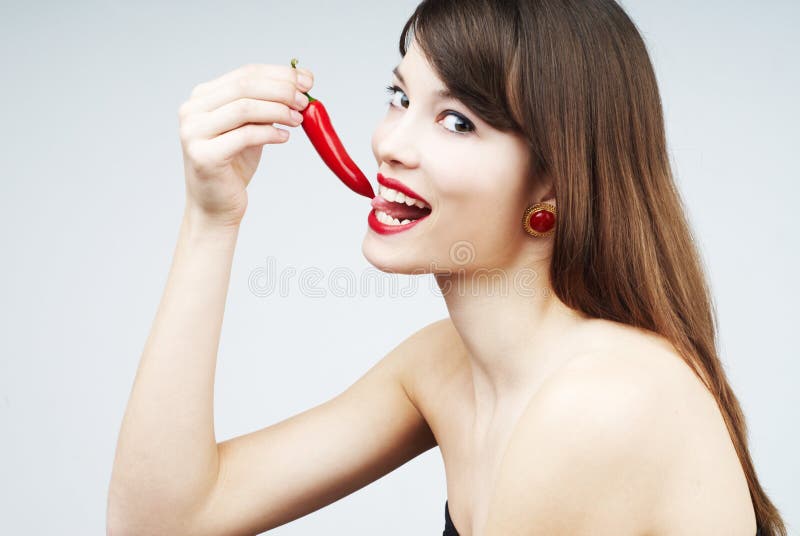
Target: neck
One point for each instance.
(514, 329)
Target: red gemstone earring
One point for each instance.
(540, 219)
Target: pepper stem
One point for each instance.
(294, 66)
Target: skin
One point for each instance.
(500, 318)
(460, 175)
(516, 356)
(548, 422)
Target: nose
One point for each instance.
(396, 142)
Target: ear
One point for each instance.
(544, 192)
(550, 196)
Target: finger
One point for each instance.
(306, 72)
(307, 82)
(224, 147)
(240, 112)
(251, 70)
(249, 88)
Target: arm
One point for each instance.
(255, 482)
(170, 477)
(167, 459)
(303, 463)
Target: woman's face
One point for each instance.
(473, 177)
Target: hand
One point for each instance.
(223, 128)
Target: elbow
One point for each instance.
(125, 518)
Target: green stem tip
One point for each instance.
(294, 63)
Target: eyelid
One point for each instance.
(391, 88)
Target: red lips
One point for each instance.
(395, 184)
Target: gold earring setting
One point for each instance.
(540, 219)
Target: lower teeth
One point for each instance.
(388, 220)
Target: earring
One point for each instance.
(540, 219)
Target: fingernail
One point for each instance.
(304, 81)
(301, 100)
(297, 116)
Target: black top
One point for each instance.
(450, 529)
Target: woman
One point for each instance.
(575, 387)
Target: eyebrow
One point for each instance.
(442, 93)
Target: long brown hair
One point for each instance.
(574, 78)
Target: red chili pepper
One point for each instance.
(319, 129)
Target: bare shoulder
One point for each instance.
(434, 353)
(615, 442)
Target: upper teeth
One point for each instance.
(399, 197)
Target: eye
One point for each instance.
(462, 124)
(392, 90)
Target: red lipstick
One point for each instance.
(395, 184)
(386, 229)
(398, 211)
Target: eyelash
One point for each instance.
(391, 89)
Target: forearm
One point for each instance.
(166, 460)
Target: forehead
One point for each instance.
(414, 70)
(415, 60)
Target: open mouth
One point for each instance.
(396, 208)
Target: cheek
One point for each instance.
(482, 192)
(460, 172)
(471, 175)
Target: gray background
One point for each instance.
(92, 191)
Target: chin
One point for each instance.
(390, 259)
